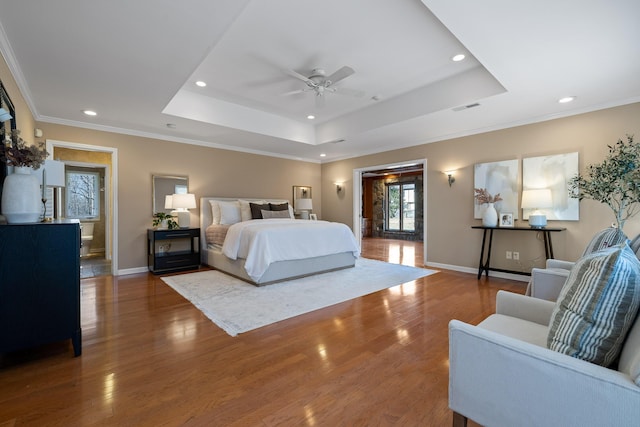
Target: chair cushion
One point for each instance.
(520, 329)
(635, 245)
(605, 239)
(597, 306)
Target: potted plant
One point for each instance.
(18, 154)
(164, 220)
(614, 182)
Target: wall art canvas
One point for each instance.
(552, 172)
(498, 177)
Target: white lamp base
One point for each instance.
(537, 221)
(184, 219)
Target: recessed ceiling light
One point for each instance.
(90, 113)
(311, 117)
(457, 58)
(323, 155)
(566, 99)
(200, 83)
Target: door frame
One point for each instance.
(357, 198)
(111, 197)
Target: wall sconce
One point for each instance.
(338, 187)
(450, 178)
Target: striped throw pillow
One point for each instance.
(605, 239)
(597, 306)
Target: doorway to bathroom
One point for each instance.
(84, 198)
(90, 195)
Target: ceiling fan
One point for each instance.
(319, 83)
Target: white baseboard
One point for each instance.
(132, 271)
(472, 270)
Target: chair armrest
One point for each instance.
(497, 380)
(546, 283)
(523, 307)
(558, 263)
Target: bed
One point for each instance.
(265, 251)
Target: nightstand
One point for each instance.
(173, 250)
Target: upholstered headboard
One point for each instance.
(206, 216)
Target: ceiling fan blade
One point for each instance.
(342, 73)
(293, 92)
(298, 76)
(349, 92)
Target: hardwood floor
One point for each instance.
(151, 358)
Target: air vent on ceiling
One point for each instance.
(466, 107)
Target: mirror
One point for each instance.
(299, 193)
(5, 127)
(165, 185)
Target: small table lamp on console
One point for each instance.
(536, 200)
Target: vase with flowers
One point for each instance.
(490, 215)
(21, 201)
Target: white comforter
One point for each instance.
(263, 241)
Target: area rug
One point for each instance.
(237, 306)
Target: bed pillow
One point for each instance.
(597, 306)
(215, 212)
(275, 214)
(279, 206)
(256, 209)
(229, 212)
(245, 208)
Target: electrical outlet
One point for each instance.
(516, 256)
(509, 255)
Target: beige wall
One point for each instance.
(211, 172)
(450, 240)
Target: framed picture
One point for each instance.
(313, 217)
(498, 178)
(552, 172)
(505, 219)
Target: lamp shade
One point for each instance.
(52, 174)
(304, 204)
(536, 199)
(168, 201)
(183, 201)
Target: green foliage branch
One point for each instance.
(614, 182)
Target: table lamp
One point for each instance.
(536, 200)
(182, 203)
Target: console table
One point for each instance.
(485, 262)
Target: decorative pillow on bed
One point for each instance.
(279, 206)
(229, 212)
(256, 210)
(215, 212)
(597, 306)
(275, 214)
(245, 208)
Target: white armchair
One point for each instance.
(502, 374)
(547, 282)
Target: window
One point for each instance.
(401, 207)
(82, 195)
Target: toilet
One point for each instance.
(86, 236)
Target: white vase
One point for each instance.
(490, 216)
(21, 197)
